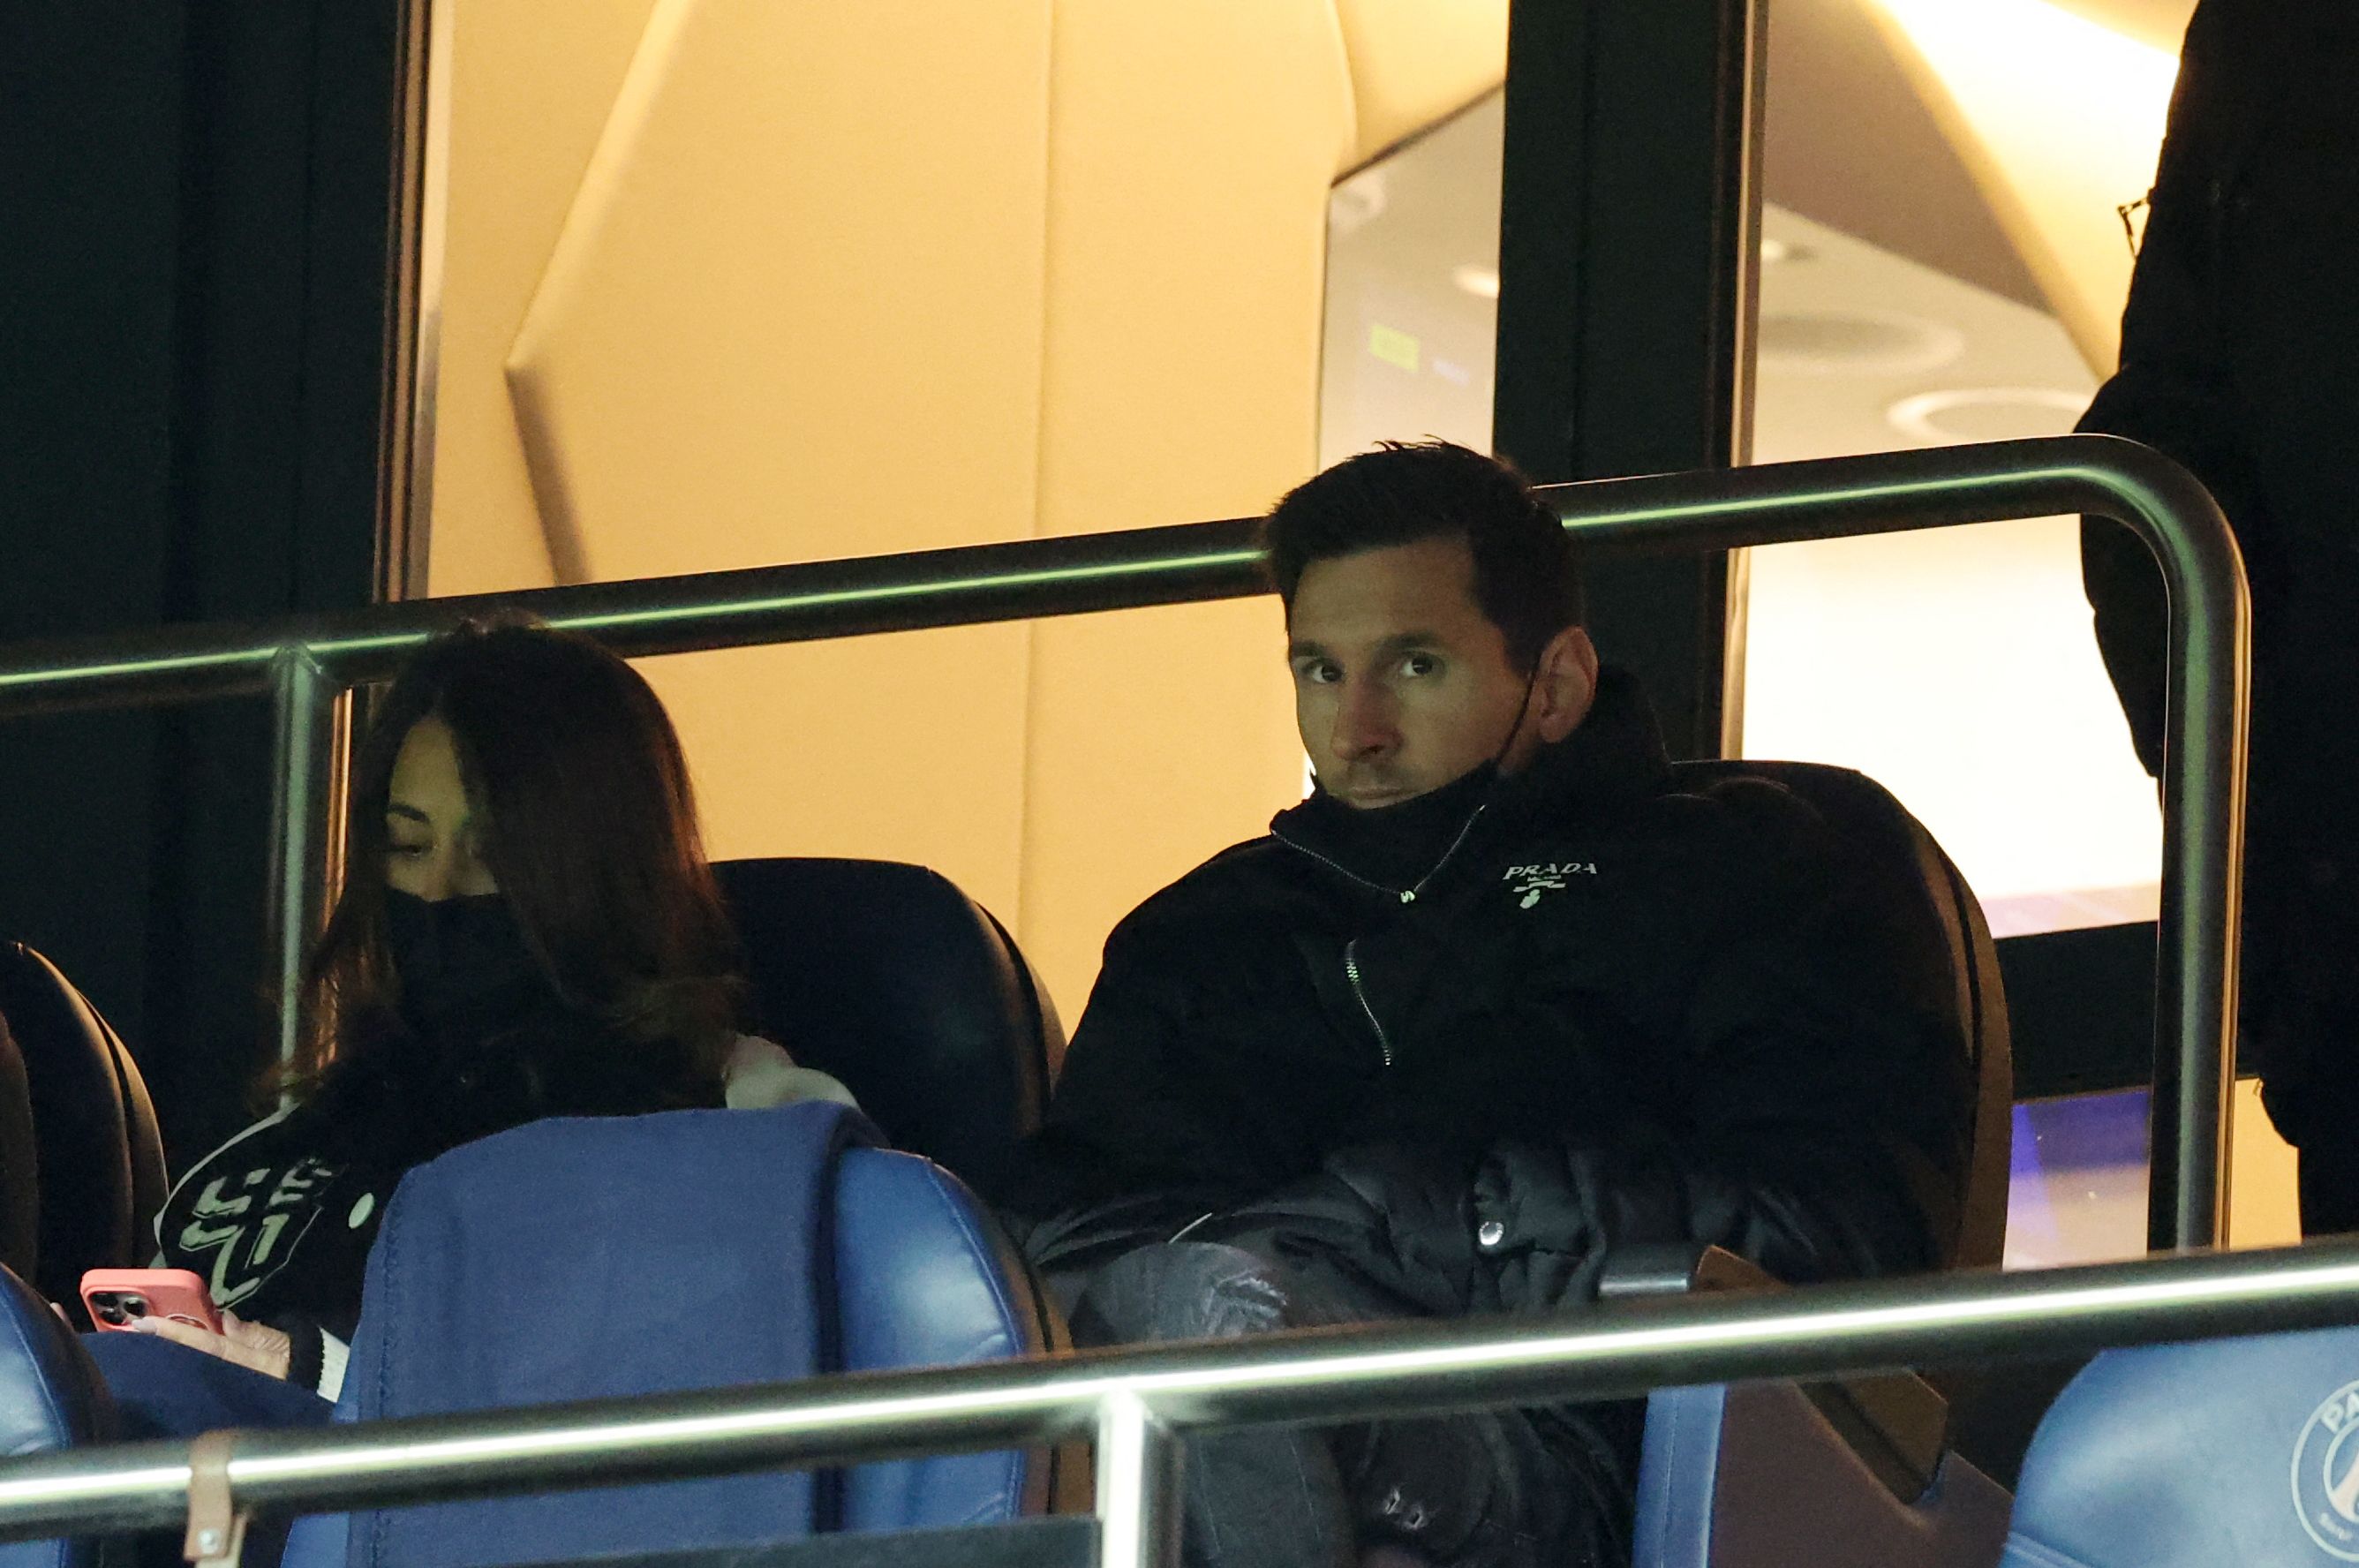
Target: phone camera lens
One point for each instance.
(135, 1306)
(108, 1309)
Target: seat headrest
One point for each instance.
(890, 978)
(1909, 879)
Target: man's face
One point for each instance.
(1401, 685)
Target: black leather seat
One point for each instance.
(1941, 948)
(889, 977)
(20, 1195)
(98, 1161)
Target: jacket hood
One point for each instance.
(1616, 754)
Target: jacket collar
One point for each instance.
(1616, 754)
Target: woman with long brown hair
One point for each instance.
(529, 929)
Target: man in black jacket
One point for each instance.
(1497, 1002)
(2240, 358)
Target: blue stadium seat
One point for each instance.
(2228, 1454)
(577, 1260)
(50, 1397)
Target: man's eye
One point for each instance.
(1420, 664)
(406, 849)
(1318, 674)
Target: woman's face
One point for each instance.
(429, 825)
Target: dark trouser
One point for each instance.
(163, 1390)
(166, 1390)
(1498, 1489)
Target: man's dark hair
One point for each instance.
(1526, 579)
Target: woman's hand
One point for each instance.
(259, 1346)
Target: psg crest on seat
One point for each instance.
(2326, 1474)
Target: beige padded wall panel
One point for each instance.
(2059, 119)
(1193, 146)
(528, 102)
(1417, 62)
(794, 313)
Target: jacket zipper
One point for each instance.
(1406, 896)
(1352, 972)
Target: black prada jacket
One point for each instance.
(1466, 1047)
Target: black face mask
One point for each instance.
(1397, 845)
(466, 972)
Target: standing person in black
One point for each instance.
(2240, 358)
(1495, 1004)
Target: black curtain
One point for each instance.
(193, 287)
(1624, 297)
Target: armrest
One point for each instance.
(1897, 1424)
(1677, 1268)
(1660, 1268)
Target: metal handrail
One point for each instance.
(1140, 1404)
(311, 664)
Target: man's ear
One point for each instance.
(1564, 684)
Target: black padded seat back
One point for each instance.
(98, 1160)
(1940, 948)
(20, 1184)
(890, 978)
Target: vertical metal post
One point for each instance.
(310, 749)
(1138, 1461)
(2203, 885)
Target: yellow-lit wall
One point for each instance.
(728, 282)
(2059, 116)
(2263, 1208)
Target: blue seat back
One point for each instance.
(1753, 1474)
(50, 1397)
(2212, 1456)
(587, 1259)
(925, 1278)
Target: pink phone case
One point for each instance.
(113, 1297)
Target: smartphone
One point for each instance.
(115, 1296)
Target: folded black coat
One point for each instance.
(1467, 1047)
(2240, 358)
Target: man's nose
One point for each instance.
(1365, 726)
